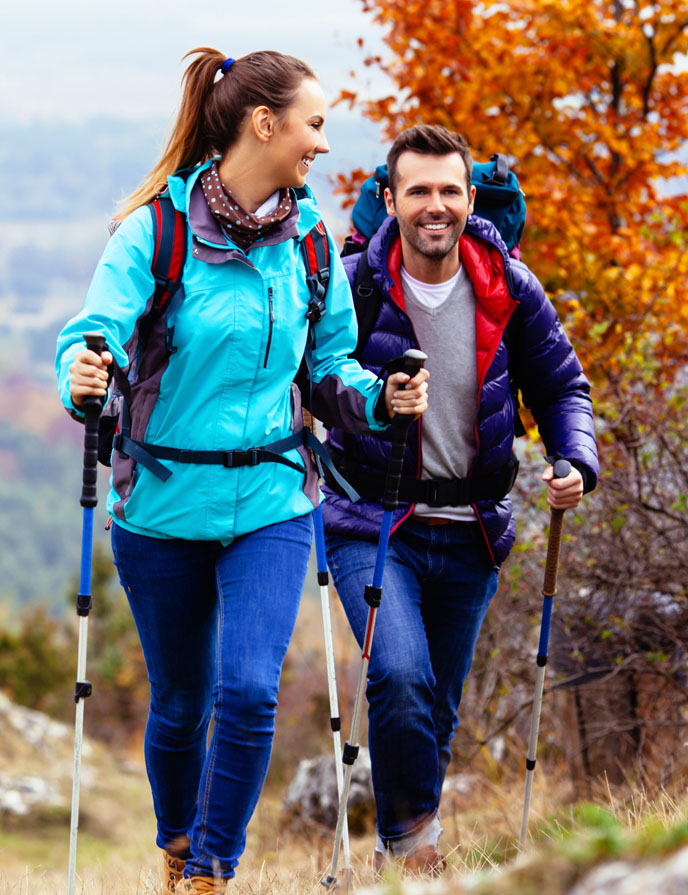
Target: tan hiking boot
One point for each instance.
(425, 860)
(201, 885)
(172, 872)
(381, 860)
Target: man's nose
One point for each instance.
(435, 202)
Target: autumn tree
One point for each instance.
(591, 102)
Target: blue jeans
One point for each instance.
(214, 624)
(437, 586)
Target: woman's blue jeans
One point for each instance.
(437, 586)
(214, 624)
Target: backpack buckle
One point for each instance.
(241, 458)
(432, 494)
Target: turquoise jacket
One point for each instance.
(240, 335)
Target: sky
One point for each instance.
(72, 59)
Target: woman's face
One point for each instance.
(299, 135)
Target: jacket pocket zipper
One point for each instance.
(272, 320)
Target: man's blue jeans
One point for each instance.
(437, 586)
(214, 624)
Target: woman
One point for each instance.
(213, 559)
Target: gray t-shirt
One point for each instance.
(443, 317)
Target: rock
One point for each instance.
(35, 728)
(624, 878)
(311, 799)
(21, 795)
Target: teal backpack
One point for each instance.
(498, 198)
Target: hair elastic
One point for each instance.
(227, 64)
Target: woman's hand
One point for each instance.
(88, 375)
(413, 399)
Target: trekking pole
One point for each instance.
(323, 582)
(413, 361)
(91, 407)
(549, 590)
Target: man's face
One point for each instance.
(431, 202)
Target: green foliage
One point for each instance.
(38, 659)
(40, 523)
(35, 661)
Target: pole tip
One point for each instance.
(330, 882)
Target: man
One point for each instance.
(446, 284)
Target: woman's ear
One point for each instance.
(263, 123)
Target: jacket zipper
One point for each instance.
(272, 320)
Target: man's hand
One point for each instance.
(413, 399)
(566, 493)
(88, 375)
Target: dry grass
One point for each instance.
(117, 832)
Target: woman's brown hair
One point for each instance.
(212, 110)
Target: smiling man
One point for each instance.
(444, 282)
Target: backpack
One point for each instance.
(170, 241)
(498, 198)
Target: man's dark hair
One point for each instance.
(428, 139)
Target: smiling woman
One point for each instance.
(212, 544)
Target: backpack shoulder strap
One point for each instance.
(367, 301)
(170, 235)
(316, 255)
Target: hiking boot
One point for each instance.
(425, 860)
(381, 860)
(201, 885)
(172, 870)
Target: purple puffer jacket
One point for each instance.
(542, 361)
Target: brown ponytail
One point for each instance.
(212, 110)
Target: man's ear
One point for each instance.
(263, 123)
(389, 202)
(471, 202)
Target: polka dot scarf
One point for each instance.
(242, 227)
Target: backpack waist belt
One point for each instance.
(433, 492)
(148, 456)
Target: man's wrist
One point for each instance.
(585, 474)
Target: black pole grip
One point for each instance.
(414, 360)
(91, 407)
(561, 468)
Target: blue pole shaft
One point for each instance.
(86, 551)
(545, 625)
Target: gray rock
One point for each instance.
(312, 799)
(19, 795)
(35, 728)
(624, 878)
